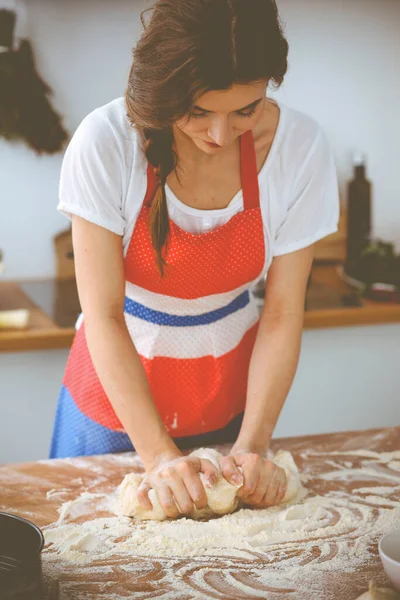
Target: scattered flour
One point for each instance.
(360, 473)
(252, 552)
(383, 457)
(394, 464)
(383, 489)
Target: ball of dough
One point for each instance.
(293, 484)
(222, 497)
(129, 503)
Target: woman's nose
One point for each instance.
(220, 132)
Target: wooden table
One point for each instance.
(23, 490)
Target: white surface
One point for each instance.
(29, 385)
(348, 378)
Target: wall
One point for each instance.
(343, 71)
(28, 394)
(83, 51)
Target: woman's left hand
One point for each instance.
(264, 483)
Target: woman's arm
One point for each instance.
(272, 369)
(277, 348)
(101, 284)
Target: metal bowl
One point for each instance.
(21, 543)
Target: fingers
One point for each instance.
(188, 471)
(181, 496)
(180, 489)
(280, 487)
(273, 486)
(165, 497)
(167, 501)
(253, 468)
(178, 485)
(264, 482)
(276, 488)
(281, 490)
(230, 471)
(211, 473)
(259, 492)
(143, 496)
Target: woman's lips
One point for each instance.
(213, 145)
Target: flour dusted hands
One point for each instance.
(264, 482)
(177, 484)
(222, 497)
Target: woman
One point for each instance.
(182, 196)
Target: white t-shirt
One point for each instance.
(103, 179)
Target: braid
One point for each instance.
(159, 153)
(178, 58)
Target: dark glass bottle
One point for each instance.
(358, 210)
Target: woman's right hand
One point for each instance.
(176, 480)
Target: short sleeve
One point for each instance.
(313, 208)
(91, 175)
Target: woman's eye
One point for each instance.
(248, 113)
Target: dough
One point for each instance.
(376, 593)
(222, 497)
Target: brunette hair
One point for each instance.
(189, 47)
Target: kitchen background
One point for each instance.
(344, 71)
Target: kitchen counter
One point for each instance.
(54, 307)
(325, 308)
(332, 465)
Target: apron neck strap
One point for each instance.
(248, 168)
(249, 173)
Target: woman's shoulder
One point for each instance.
(299, 145)
(301, 131)
(102, 163)
(110, 122)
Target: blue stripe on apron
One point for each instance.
(160, 318)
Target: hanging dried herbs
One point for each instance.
(25, 110)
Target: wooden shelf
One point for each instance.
(371, 313)
(43, 333)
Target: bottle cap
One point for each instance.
(358, 159)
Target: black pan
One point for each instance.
(21, 543)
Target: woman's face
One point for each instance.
(219, 117)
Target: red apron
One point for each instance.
(194, 329)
